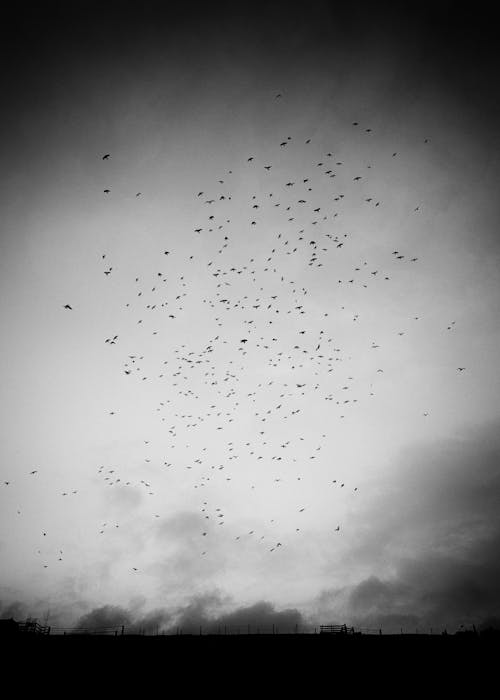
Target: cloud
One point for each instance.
(124, 499)
(431, 541)
(420, 551)
(105, 616)
(212, 612)
(15, 609)
(154, 621)
(260, 616)
(134, 622)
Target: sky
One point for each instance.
(274, 397)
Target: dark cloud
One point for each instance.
(422, 553)
(15, 609)
(114, 616)
(428, 592)
(262, 616)
(105, 616)
(438, 524)
(151, 622)
(208, 612)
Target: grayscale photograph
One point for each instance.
(249, 303)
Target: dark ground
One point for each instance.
(274, 663)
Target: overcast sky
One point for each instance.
(297, 252)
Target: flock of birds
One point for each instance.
(264, 323)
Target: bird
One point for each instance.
(67, 306)
(106, 156)
(106, 191)
(460, 369)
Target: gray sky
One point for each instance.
(353, 381)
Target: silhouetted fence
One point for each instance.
(336, 629)
(240, 629)
(33, 627)
(113, 631)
